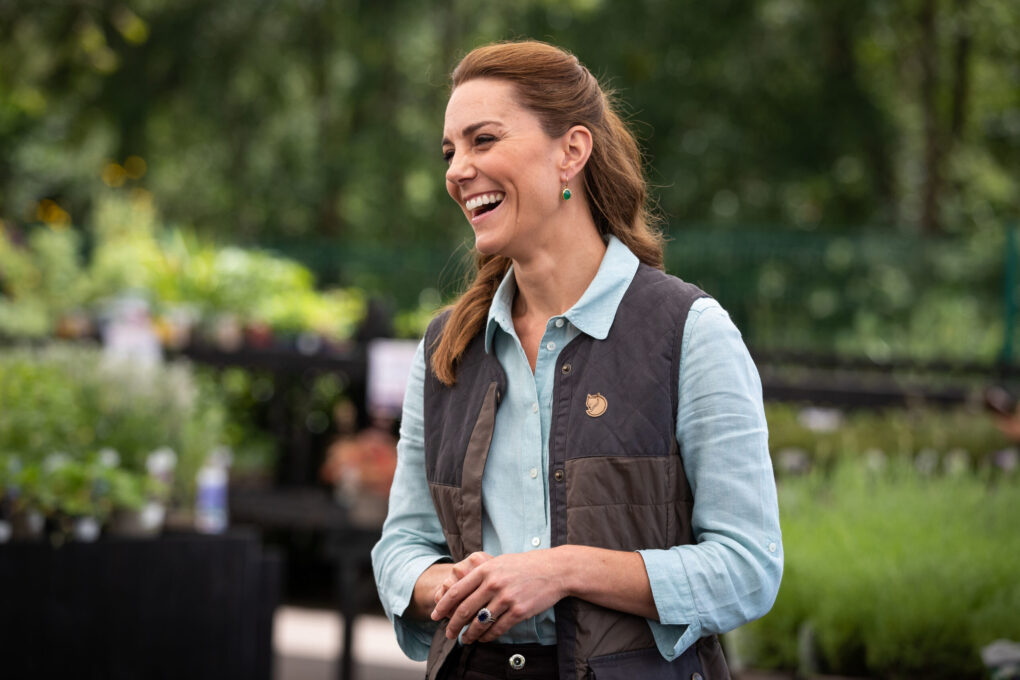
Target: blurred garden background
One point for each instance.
(243, 195)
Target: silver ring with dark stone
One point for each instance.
(485, 616)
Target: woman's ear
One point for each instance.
(577, 143)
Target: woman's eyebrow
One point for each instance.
(471, 128)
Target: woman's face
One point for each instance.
(504, 171)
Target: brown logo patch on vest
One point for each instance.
(596, 405)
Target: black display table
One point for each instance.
(176, 606)
(348, 547)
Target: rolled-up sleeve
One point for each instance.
(731, 574)
(412, 538)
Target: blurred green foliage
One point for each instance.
(890, 573)
(802, 439)
(69, 401)
(304, 123)
(85, 487)
(185, 279)
(751, 110)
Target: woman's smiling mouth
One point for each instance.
(483, 204)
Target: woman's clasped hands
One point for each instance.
(513, 587)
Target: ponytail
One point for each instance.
(468, 315)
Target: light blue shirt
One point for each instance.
(728, 577)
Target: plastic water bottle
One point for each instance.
(211, 495)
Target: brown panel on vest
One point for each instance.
(606, 526)
(447, 501)
(612, 479)
(628, 503)
(474, 467)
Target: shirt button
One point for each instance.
(558, 475)
(536, 541)
(551, 346)
(534, 407)
(772, 547)
(533, 472)
(559, 323)
(566, 369)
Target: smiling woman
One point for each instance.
(583, 485)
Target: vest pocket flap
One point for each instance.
(643, 663)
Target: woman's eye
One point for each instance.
(484, 139)
(448, 155)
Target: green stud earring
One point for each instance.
(566, 193)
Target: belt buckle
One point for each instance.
(517, 662)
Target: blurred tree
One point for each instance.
(316, 121)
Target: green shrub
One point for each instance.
(895, 574)
(40, 281)
(179, 274)
(71, 400)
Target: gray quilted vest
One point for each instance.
(616, 479)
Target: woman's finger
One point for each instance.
(451, 601)
(479, 631)
(501, 625)
(467, 565)
(444, 586)
(458, 585)
(466, 616)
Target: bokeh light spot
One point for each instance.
(114, 175)
(130, 25)
(50, 212)
(135, 167)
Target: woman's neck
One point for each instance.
(554, 277)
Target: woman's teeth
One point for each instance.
(484, 199)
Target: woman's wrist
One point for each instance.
(566, 561)
(423, 597)
(615, 579)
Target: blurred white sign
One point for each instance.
(389, 364)
(129, 335)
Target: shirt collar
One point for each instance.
(593, 314)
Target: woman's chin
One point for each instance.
(486, 245)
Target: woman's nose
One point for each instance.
(460, 169)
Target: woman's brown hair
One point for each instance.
(561, 92)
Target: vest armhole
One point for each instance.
(693, 294)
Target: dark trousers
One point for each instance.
(492, 661)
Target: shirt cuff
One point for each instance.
(413, 636)
(678, 626)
